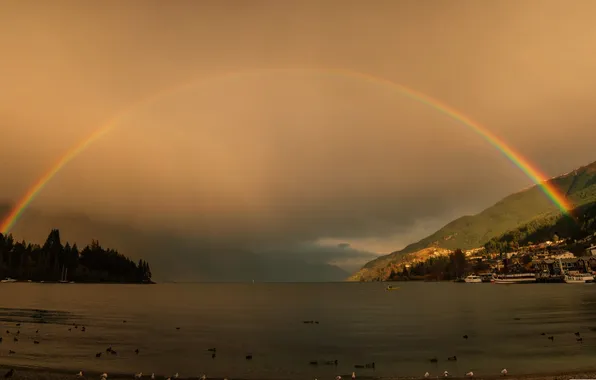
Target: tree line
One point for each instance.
(449, 267)
(577, 226)
(54, 261)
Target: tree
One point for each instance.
(392, 275)
(457, 261)
(481, 266)
(526, 259)
(30, 261)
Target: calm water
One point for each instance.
(359, 323)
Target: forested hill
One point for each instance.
(510, 213)
(577, 230)
(53, 261)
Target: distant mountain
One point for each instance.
(508, 214)
(174, 257)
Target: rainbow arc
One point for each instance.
(531, 171)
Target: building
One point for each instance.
(591, 251)
(473, 251)
(564, 255)
(570, 264)
(592, 262)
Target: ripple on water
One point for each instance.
(359, 324)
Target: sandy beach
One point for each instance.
(47, 374)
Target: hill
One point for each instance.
(54, 261)
(174, 257)
(578, 231)
(467, 232)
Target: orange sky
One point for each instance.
(286, 158)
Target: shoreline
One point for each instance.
(31, 373)
(52, 282)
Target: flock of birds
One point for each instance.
(504, 370)
(109, 350)
(213, 352)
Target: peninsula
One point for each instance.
(55, 262)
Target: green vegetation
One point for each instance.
(572, 228)
(519, 209)
(439, 268)
(515, 210)
(25, 261)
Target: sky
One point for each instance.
(232, 119)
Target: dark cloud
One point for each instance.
(284, 162)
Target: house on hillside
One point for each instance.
(514, 268)
(576, 263)
(563, 255)
(545, 266)
(475, 258)
(591, 262)
(541, 255)
(569, 264)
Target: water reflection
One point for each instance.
(359, 323)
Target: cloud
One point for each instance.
(282, 161)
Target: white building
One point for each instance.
(565, 255)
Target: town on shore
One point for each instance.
(557, 260)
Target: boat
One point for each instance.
(487, 277)
(8, 279)
(575, 277)
(579, 278)
(473, 279)
(518, 278)
(63, 279)
(391, 287)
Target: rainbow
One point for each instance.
(499, 144)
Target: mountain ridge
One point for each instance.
(174, 257)
(510, 212)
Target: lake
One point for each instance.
(359, 323)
